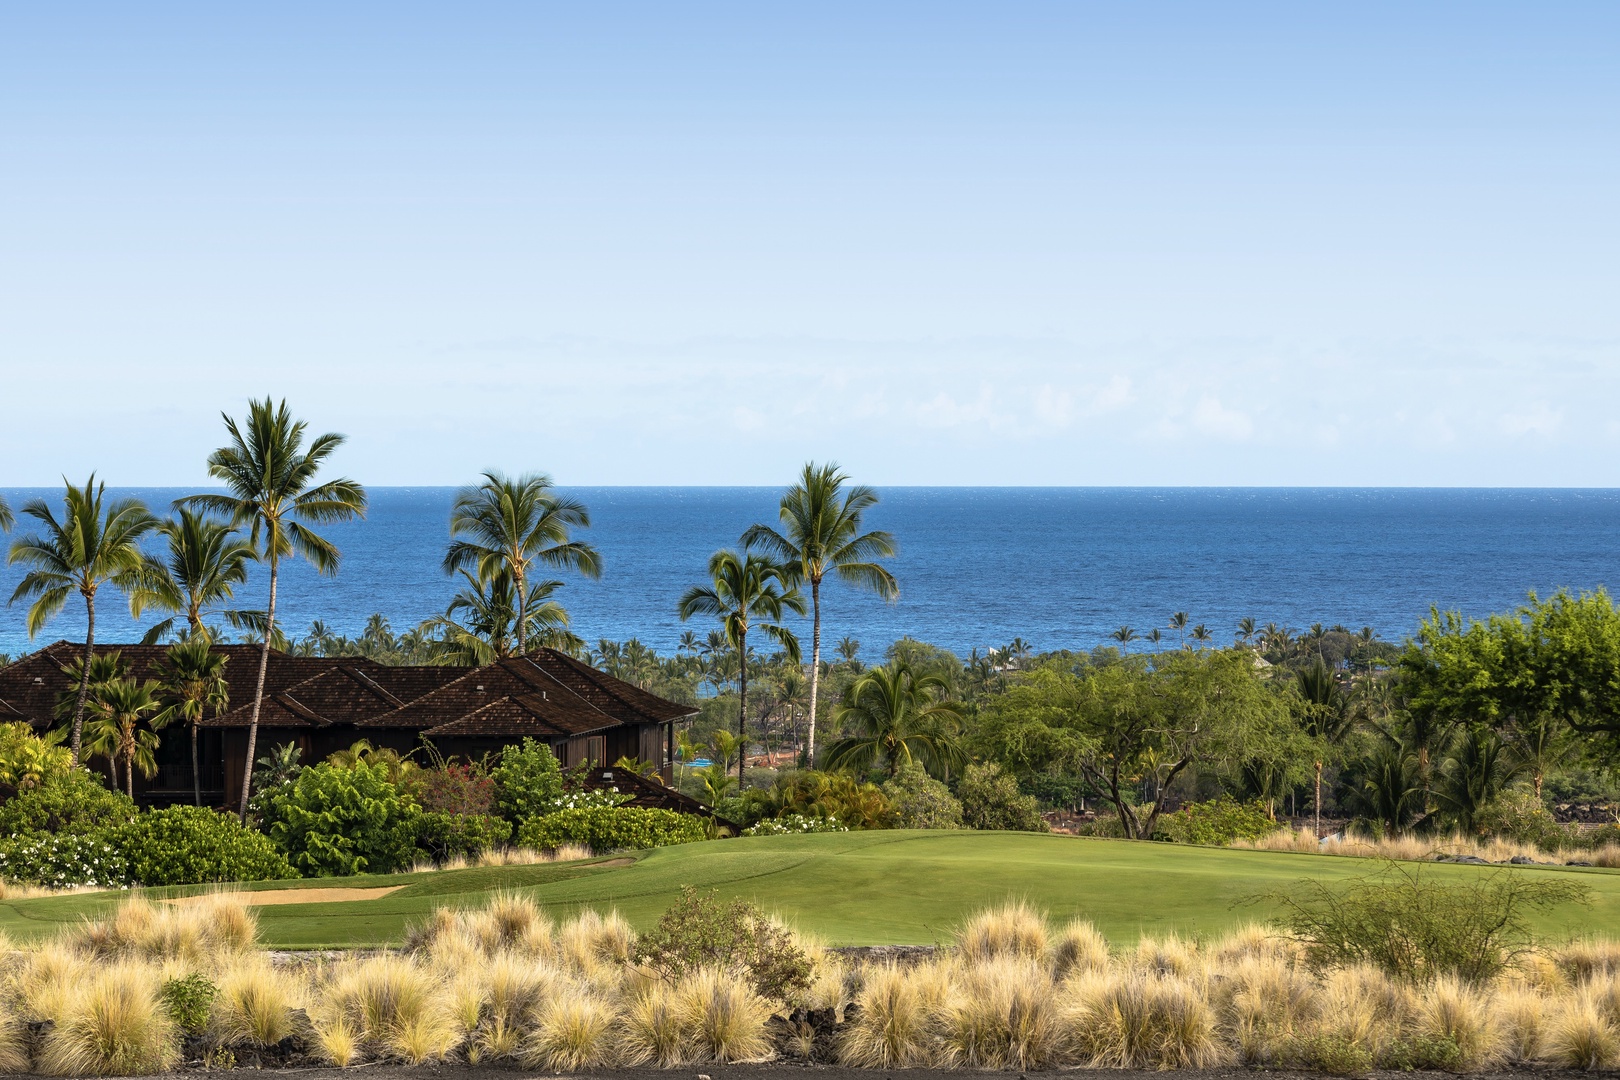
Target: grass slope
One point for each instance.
(853, 888)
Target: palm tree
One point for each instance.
(192, 682)
(94, 543)
(481, 624)
(513, 525)
(1246, 629)
(6, 520)
(746, 592)
(1201, 634)
(821, 534)
(269, 477)
(1178, 622)
(1124, 635)
(899, 716)
(849, 651)
(207, 560)
(115, 729)
(1155, 635)
(1019, 650)
(1328, 718)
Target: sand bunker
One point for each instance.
(299, 896)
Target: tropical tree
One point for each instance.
(269, 476)
(897, 717)
(511, 526)
(849, 651)
(746, 591)
(1155, 635)
(94, 543)
(1178, 622)
(207, 559)
(481, 625)
(821, 533)
(1202, 635)
(115, 727)
(6, 520)
(1124, 635)
(1246, 629)
(1325, 715)
(192, 682)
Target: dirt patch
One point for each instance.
(298, 896)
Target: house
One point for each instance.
(325, 704)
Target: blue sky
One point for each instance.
(1001, 243)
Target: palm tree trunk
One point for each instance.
(815, 670)
(742, 707)
(1317, 806)
(258, 695)
(196, 776)
(84, 676)
(129, 776)
(522, 603)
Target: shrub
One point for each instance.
(445, 835)
(27, 761)
(1414, 926)
(991, 800)
(334, 820)
(66, 859)
(113, 1026)
(1013, 930)
(607, 828)
(453, 788)
(918, 801)
(1519, 816)
(189, 1001)
(77, 802)
(192, 845)
(794, 823)
(527, 781)
(1218, 822)
(700, 933)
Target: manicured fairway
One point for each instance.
(854, 888)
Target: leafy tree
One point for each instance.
(269, 476)
(747, 591)
(511, 526)
(193, 682)
(918, 801)
(335, 820)
(207, 559)
(528, 781)
(897, 716)
(94, 543)
(115, 730)
(991, 800)
(821, 534)
(1473, 774)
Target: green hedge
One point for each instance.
(336, 820)
(606, 828)
(77, 802)
(443, 835)
(192, 845)
(1217, 822)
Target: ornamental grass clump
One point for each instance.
(1002, 1015)
(195, 930)
(113, 1024)
(725, 1018)
(387, 1005)
(895, 1024)
(1139, 1021)
(1014, 929)
(1078, 948)
(254, 1004)
(654, 1030)
(572, 1034)
(1269, 1006)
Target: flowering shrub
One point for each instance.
(795, 823)
(607, 828)
(58, 860)
(584, 799)
(453, 788)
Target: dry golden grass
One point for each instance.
(113, 1024)
(254, 1005)
(725, 1019)
(1014, 929)
(207, 929)
(1420, 848)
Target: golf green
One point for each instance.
(853, 888)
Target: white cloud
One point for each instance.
(944, 411)
(1540, 419)
(1116, 395)
(1212, 418)
(1053, 407)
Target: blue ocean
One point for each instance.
(1060, 567)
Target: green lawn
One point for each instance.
(853, 888)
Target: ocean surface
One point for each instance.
(1060, 567)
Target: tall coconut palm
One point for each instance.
(115, 728)
(1178, 622)
(6, 520)
(481, 625)
(1246, 629)
(1202, 635)
(821, 534)
(192, 682)
(1124, 635)
(513, 525)
(207, 559)
(1155, 635)
(746, 591)
(94, 543)
(898, 716)
(269, 476)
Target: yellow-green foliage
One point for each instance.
(113, 1024)
(254, 1005)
